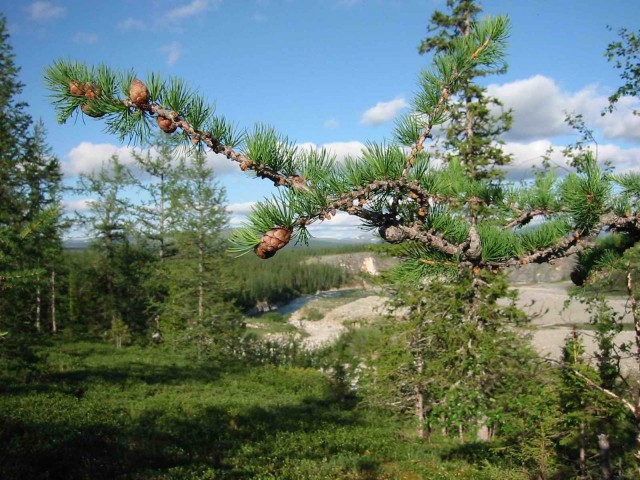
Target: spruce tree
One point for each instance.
(29, 205)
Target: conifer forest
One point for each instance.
(156, 349)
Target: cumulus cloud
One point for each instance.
(242, 208)
(540, 107)
(221, 164)
(173, 51)
(86, 38)
(383, 112)
(527, 155)
(45, 11)
(341, 150)
(623, 123)
(342, 226)
(239, 212)
(623, 159)
(88, 157)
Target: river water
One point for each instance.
(298, 303)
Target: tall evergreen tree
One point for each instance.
(118, 292)
(195, 305)
(154, 220)
(474, 129)
(29, 203)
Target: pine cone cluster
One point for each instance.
(87, 90)
(272, 241)
(138, 93)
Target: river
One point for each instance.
(298, 303)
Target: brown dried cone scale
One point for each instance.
(91, 91)
(166, 124)
(272, 241)
(138, 93)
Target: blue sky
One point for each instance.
(326, 72)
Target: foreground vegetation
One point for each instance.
(93, 411)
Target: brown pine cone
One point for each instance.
(272, 241)
(76, 88)
(392, 234)
(91, 91)
(166, 124)
(138, 93)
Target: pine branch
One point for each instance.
(455, 217)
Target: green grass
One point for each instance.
(100, 413)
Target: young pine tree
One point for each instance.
(196, 307)
(117, 284)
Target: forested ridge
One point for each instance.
(134, 358)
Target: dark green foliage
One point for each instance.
(586, 195)
(286, 277)
(30, 220)
(454, 344)
(101, 413)
(605, 256)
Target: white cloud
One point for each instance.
(88, 157)
(540, 106)
(383, 112)
(623, 159)
(331, 124)
(341, 150)
(622, 123)
(258, 17)
(173, 51)
(239, 212)
(192, 8)
(342, 226)
(81, 205)
(242, 208)
(45, 11)
(528, 155)
(87, 38)
(221, 165)
(131, 23)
